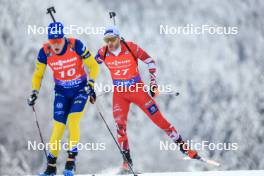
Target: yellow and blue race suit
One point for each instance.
(70, 79)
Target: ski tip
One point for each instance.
(210, 162)
(186, 158)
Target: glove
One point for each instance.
(90, 91)
(154, 92)
(32, 98)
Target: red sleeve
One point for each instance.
(138, 52)
(100, 54)
(143, 55)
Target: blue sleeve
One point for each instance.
(80, 48)
(42, 58)
(98, 58)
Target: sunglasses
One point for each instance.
(56, 41)
(110, 39)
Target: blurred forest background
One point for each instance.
(220, 78)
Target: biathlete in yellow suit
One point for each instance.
(66, 57)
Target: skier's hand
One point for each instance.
(32, 98)
(154, 92)
(90, 91)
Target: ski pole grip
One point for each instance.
(112, 15)
(50, 11)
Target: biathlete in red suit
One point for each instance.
(122, 58)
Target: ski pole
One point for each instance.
(50, 11)
(111, 133)
(112, 15)
(102, 94)
(170, 93)
(161, 93)
(39, 131)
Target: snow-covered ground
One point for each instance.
(209, 173)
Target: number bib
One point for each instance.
(68, 69)
(123, 68)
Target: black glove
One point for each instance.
(32, 98)
(154, 90)
(90, 91)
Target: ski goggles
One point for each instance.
(56, 41)
(110, 39)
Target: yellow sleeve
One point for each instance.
(38, 75)
(92, 65)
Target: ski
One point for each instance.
(120, 173)
(128, 173)
(137, 173)
(204, 160)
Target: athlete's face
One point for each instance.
(113, 43)
(57, 45)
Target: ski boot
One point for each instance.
(125, 169)
(185, 149)
(70, 166)
(51, 167)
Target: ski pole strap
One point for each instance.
(126, 45)
(106, 50)
(128, 48)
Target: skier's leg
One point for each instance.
(120, 112)
(76, 113)
(61, 111)
(149, 106)
(61, 108)
(51, 167)
(74, 128)
(70, 166)
(56, 136)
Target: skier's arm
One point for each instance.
(152, 68)
(94, 68)
(144, 56)
(88, 60)
(37, 77)
(39, 70)
(99, 56)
